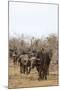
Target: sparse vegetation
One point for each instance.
(21, 44)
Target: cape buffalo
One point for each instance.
(25, 64)
(42, 62)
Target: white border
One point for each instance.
(4, 44)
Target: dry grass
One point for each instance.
(17, 80)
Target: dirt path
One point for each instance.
(17, 80)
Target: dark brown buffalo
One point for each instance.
(15, 58)
(25, 64)
(42, 63)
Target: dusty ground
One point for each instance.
(17, 80)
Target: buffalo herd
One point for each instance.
(34, 59)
